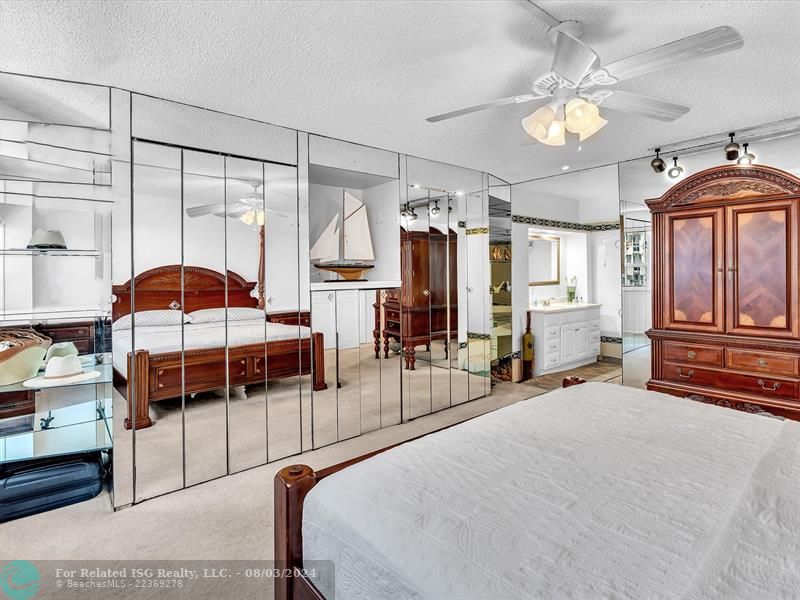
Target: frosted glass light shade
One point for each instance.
(537, 124)
(580, 115)
(555, 134)
(599, 123)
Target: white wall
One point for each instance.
(604, 275)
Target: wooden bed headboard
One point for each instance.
(160, 288)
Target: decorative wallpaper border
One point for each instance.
(478, 231)
(610, 340)
(471, 335)
(565, 224)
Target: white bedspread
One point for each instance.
(197, 336)
(593, 492)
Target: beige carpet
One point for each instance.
(187, 444)
(227, 518)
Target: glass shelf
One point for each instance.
(81, 427)
(106, 377)
(47, 252)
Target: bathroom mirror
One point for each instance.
(544, 262)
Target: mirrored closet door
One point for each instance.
(218, 343)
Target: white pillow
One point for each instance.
(217, 315)
(152, 318)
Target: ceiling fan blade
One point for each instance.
(205, 209)
(707, 43)
(639, 104)
(573, 59)
(478, 107)
(539, 13)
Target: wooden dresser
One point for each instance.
(726, 289)
(418, 313)
(290, 317)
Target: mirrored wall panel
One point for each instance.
(567, 229)
(56, 391)
(212, 341)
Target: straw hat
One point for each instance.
(62, 370)
(60, 349)
(21, 354)
(47, 239)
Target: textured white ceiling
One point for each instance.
(371, 72)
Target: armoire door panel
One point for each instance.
(694, 278)
(762, 256)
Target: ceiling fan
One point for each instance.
(249, 209)
(576, 85)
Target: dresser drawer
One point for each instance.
(392, 314)
(66, 334)
(761, 385)
(694, 354)
(777, 363)
(552, 333)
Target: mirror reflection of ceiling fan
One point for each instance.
(249, 209)
(576, 86)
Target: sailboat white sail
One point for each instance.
(357, 240)
(327, 247)
(345, 250)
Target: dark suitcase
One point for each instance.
(31, 487)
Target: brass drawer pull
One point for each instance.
(687, 376)
(762, 362)
(691, 354)
(763, 385)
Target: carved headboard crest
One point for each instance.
(161, 288)
(726, 182)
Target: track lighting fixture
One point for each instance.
(435, 210)
(747, 158)
(675, 170)
(658, 164)
(732, 148)
(411, 216)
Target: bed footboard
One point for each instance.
(139, 398)
(291, 486)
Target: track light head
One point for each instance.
(748, 158)
(732, 149)
(675, 170)
(435, 210)
(658, 164)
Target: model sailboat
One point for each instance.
(345, 247)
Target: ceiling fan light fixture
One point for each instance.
(248, 218)
(748, 158)
(538, 123)
(658, 164)
(675, 170)
(599, 123)
(580, 115)
(731, 149)
(555, 135)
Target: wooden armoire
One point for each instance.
(726, 295)
(418, 313)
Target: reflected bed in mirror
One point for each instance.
(163, 370)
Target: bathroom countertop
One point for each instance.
(563, 307)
